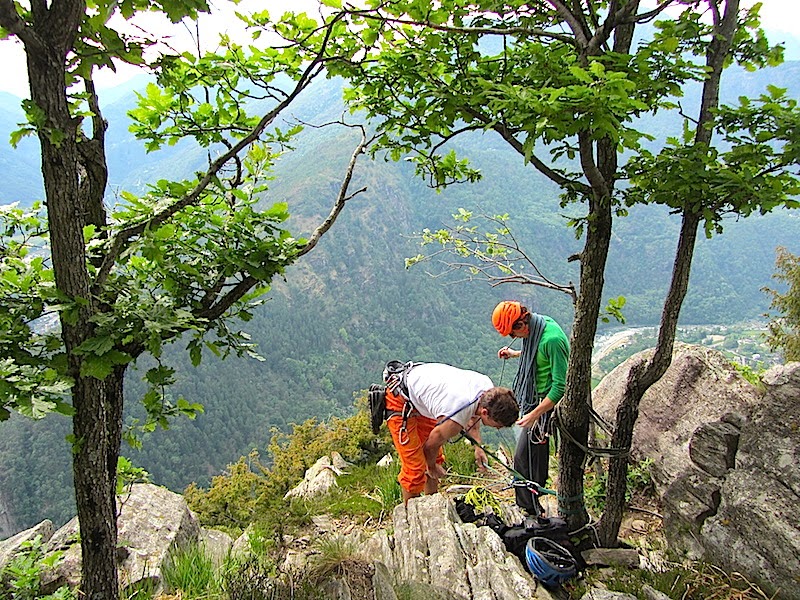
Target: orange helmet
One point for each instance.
(505, 315)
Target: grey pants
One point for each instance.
(531, 460)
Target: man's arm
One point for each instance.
(530, 418)
(438, 438)
(481, 460)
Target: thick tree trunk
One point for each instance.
(97, 423)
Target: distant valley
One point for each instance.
(326, 331)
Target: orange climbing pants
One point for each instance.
(409, 444)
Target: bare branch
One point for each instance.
(343, 195)
(374, 15)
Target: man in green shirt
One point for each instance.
(538, 386)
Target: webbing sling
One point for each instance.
(395, 378)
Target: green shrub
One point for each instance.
(21, 579)
(190, 571)
(639, 480)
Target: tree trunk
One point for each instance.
(646, 373)
(641, 376)
(574, 413)
(97, 423)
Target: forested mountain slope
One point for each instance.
(350, 305)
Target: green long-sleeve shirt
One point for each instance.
(551, 361)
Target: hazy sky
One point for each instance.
(780, 18)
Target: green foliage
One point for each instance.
(190, 572)
(33, 380)
(750, 176)
(252, 492)
(21, 577)
(614, 310)
(295, 452)
(638, 481)
(128, 474)
(333, 555)
(231, 501)
(749, 374)
(784, 326)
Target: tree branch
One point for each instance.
(508, 135)
(593, 174)
(519, 30)
(578, 28)
(342, 197)
(11, 21)
(212, 310)
(121, 240)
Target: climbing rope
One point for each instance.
(480, 499)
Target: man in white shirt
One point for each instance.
(446, 401)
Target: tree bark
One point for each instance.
(97, 423)
(645, 373)
(574, 414)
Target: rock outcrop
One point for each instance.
(152, 522)
(726, 458)
(441, 557)
(320, 477)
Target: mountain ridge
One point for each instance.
(351, 304)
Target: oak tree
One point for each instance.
(188, 257)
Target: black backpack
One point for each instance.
(377, 406)
(516, 538)
(555, 529)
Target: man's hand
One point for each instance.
(506, 352)
(436, 472)
(438, 437)
(528, 419)
(480, 459)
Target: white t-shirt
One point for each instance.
(438, 390)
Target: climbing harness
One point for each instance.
(395, 374)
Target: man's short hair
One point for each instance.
(501, 405)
